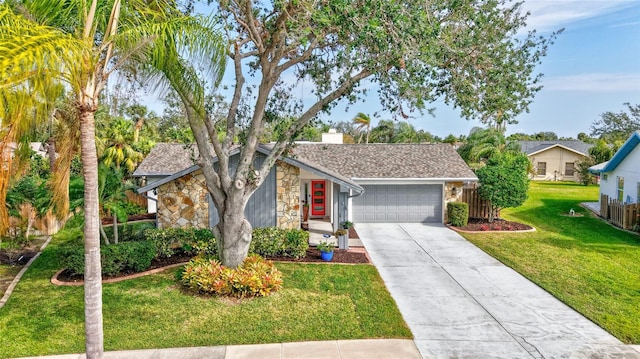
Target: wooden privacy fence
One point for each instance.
(478, 207)
(619, 214)
(136, 198)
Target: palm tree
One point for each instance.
(383, 132)
(117, 136)
(363, 123)
(82, 43)
(483, 143)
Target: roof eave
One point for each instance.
(557, 145)
(439, 179)
(167, 179)
(323, 173)
(623, 152)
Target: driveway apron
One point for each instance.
(460, 302)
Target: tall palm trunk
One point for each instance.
(93, 271)
(136, 129)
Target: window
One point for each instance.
(605, 177)
(542, 169)
(569, 169)
(620, 189)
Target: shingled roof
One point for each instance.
(531, 147)
(351, 161)
(166, 159)
(385, 161)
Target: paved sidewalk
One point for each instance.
(460, 302)
(340, 349)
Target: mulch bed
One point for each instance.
(20, 256)
(17, 257)
(313, 256)
(67, 276)
(483, 225)
(339, 256)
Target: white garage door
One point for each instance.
(398, 203)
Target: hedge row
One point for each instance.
(276, 242)
(115, 258)
(136, 256)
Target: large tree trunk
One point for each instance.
(233, 230)
(93, 272)
(234, 237)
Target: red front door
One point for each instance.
(318, 198)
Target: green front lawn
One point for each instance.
(318, 302)
(583, 261)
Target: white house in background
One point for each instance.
(620, 176)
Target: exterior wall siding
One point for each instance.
(556, 158)
(629, 168)
(261, 208)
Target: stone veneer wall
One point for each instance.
(182, 203)
(287, 196)
(450, 197)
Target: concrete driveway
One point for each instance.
(459, 302)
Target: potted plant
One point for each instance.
(343, 238)
(326, 250)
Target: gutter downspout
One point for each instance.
(155, 200)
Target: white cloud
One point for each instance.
(550, 15)
(594, 82)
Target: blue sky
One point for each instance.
(593, 67)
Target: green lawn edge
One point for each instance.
(318, 302)
(588, 264)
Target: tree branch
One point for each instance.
(308, 115)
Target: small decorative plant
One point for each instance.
(341, 232)
(347, 224)
(325, 247)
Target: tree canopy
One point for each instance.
(469, 53)
(613, 127)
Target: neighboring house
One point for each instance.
(357, 182)
(555, 160)
(620, 176)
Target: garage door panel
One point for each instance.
(399, 203)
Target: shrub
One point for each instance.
(272, 242)
(71, 235)
(191, 241)
(255, 277)
(458, 213)
(130, 231)
(504, 181)
(115, 258)
(296, 243)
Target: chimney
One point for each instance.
(332, 137)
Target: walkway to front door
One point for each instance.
(318, 228)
